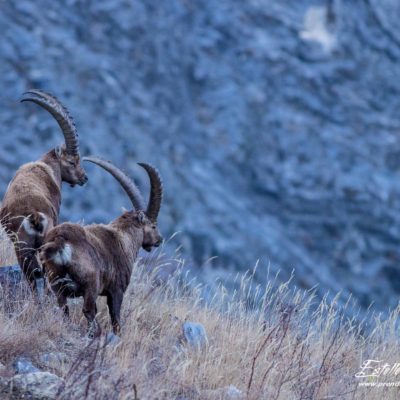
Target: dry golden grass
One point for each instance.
(7, 254)
(277, 343)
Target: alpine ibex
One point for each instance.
(31, 203)
(97, 260)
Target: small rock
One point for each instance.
(23, 365)
(112, 339)
(232, 392)
(53, 360)
(36, 385)
(195, 334)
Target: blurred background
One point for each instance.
(275, 125)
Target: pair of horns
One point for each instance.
(68, 128)
(60, 114)
(132, 190)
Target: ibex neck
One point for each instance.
(53, 162)
(132, 234)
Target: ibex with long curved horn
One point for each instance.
(97, 260)
(31, 203)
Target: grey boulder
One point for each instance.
(36, 385)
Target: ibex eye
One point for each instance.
(71, 162)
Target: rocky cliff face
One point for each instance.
(275, 125)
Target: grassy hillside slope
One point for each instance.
(271, 343)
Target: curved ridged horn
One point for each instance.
(128, 185)
(156, 191)
(60, 114)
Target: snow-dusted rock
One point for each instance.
(23, 365)
(194, 334)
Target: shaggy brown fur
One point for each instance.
(97, 260)
(31, 203)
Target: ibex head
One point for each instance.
(152, 236)
(72, 171)
(67, 154)
(143, 218)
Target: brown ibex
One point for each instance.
(31, 203)
(97, 260)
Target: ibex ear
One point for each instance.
(58, 151)
(141, 217)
